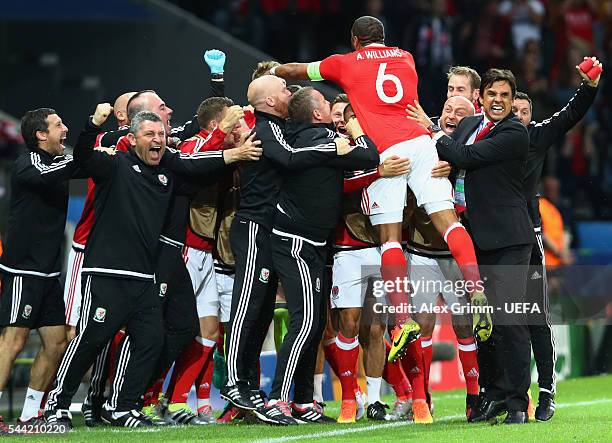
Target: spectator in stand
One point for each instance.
(433, 54)
(483, 41)
(526, 17)
(532, 81)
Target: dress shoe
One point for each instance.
(489, 410)
(516, 418)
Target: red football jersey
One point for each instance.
(203, 141)
(380, 81)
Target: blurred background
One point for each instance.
(70, 55)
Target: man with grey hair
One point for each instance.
(119, 286)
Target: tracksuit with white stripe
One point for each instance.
(307, 213)
(131, 200)
(255, 283)
(31, 262)
(542, 136)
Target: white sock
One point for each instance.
(272, 402)
(31, 404)
(203, 402)
(373, 385)
(0, 394)
(318, 388)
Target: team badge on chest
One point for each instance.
(162, 179)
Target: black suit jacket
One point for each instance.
(494, 166)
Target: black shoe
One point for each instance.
(60, 417)
(489, 410)
(276, 414)
(92, 414)
(258, 398)
(516, 418)
(471, 404)
(477, 410)
(311, 414)
(546, 406)
(377, 411)
(129, 419)
(239, 395)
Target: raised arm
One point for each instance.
(215, 60)
(292, 71)
(97, 164)
(545, 133)
(327, 69)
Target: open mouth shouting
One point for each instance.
(155, 153)
(497, 110)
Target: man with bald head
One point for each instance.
(120, 109)
(255, 283)
(455, 108)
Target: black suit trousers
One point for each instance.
(504, 359)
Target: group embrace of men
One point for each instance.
(188, 233)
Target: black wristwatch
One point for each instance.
(433, 128)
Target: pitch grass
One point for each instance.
(584, 413)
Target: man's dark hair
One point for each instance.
(340, 98)
(211, 109)
(133, 107)
(368, 30)
(468, 72)
(301, 105)
(498, 75)
(32, 122)
(523, 96)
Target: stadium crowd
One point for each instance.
(195, 238)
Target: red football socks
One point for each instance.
(187, 368)
(204, 380)
(347, 353)
(413, 367)
(395, 269)
(461, 246)
(469, 363)
(427, 347)
(394, 375)
(330, 350)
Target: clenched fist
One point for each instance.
(103, 110)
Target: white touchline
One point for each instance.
(404, 423)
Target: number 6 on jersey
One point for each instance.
(381, 78)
